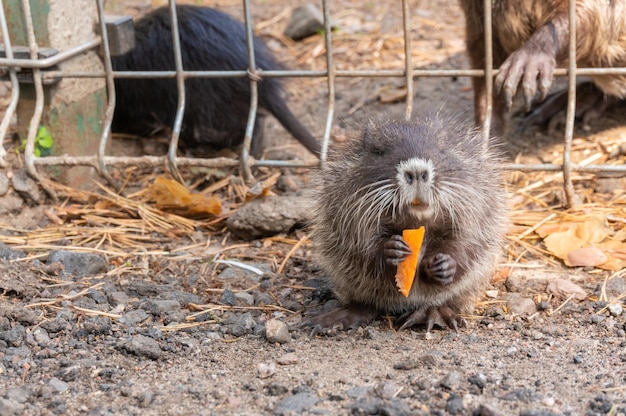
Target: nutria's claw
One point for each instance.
(442, 316)
(441, 269)
(395, 249)
(530, 67)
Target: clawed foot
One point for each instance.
(440, 269)
(395, 250)
(442, 316)
(531, 68)
(343, 318)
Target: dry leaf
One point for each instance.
(262, 188)
(586, 243)
(171, 196)
(587, 256)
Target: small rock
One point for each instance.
(454, 405)
(160, 307)
(15, 337)
(615, 287)
(288, 359)
(493, 294)
(295, 404)
(7, 253)
(25, 186)
(487, 410)
(143, 346)
(266, 370)
(145, 399)
(241, 324)
(521, 305)
(601, 404)
(376, 406)
(386, 389)
(41, 337)
(10, 203)
(277, 331)
(479, 380)
(544, 305)
(615, 309)
(275, 390)
(10, 408)
(58, 324)
(237, 273)
(78, 264)
(244, 298)
(525, 395)
(526, 281)
(134, 317)
(118, 298)
(228, 297)
(451, 380)
(586, 257)
(428, 360)
(97, 325)
(305, 21)
(268, 216)
(18, 394)
(19, 313)
(58, 385)
(565, 288)
(359, 391)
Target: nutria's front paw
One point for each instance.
(395, 250)
(440, 269)
(442, 316)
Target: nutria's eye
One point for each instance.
(378, 151)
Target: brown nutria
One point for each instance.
(530, 40)
(432, 172)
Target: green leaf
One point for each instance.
(44, 139)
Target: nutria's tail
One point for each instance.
(279, 109)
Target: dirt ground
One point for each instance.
(106, 311)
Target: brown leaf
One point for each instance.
(171, 196)
(587, 256)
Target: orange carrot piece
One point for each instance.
(406, 270)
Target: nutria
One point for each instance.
(216, 108)
(432, 172)
(530, 40)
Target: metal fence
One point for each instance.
(101, 161)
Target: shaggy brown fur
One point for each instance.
(530, 40)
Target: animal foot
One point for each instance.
(442, 316)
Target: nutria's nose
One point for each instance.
(416, 175)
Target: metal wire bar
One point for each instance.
(52, 60)
(568, 186)
(15, 88)
(489, 73)
(33, 127)
(379, 73)
(254, 95)
(330, 72)
(180, 86)
(108, 116)
(408, 59)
